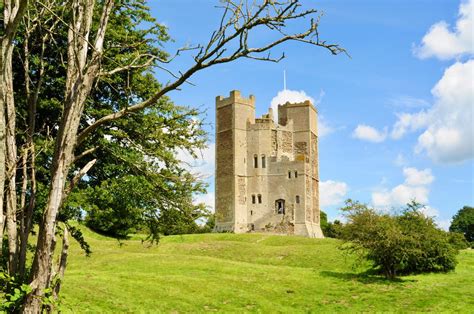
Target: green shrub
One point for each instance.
(463, 222)
(458, 241)
(400, 244)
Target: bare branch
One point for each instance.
(85, 153)
(78, 177)
(239, 18)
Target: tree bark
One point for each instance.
(81, 74)
(62, 262)
(13, 11)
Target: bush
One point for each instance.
(400, 244)
(458, 241)
(463, 222)
(333, 229)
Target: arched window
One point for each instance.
(255, 161)
(297, 199)
(260, 198)
(296, 174)
(280, 206)
(264, 164)
(289, 174)
(253, 199)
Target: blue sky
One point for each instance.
(396, 118)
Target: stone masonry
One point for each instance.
(267, 176)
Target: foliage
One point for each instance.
(12, 293)
(323, 220)
(399, 244)
(458, 241)
(333, 229)
(330, 229)
(463, 222)
(137, 174)
(88, 121)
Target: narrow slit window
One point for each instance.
(260, 198)
(255, 161)
(253, 199)
(297, 199)
(296, 174)
(264, 163)
(289, 174)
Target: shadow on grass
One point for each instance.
(367, 277)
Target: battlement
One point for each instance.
(235, 98)
(266, 170)
(306, 103)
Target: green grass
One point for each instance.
(248, 273)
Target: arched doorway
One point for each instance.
(280, 206)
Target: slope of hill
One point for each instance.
(248, 273)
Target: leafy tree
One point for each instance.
(86, 71)
(463, 222)
(333, 229)
(330, 229)
(458, 241)
(398, 244)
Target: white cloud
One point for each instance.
(400, 195)
(448, 134)
(414, 176)
(430, 211)
(323, 127)
(415, 187)
(400, 160)
(207, 199)
(445, 43)
(408, 122)
(291, 96)
(332, 192)
(407, 102)
(202, 166)
(368, 133)
(444, 224)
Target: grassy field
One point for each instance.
(248, 273)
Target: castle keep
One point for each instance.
(267, 175)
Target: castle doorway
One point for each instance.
(280, 206)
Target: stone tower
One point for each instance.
(267, 176)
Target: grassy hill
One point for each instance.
(248, 273)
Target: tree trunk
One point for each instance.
(62, 262)
(13, 12)
(81, 74)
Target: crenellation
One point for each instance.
(266, 171)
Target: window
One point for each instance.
(280, 206)
(253, 199)
(251, 212)
(255, 161)
(297, 199)
(260, 198)
(289, 174)
(296, 174)
(264, 164)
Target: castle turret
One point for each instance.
(266, 172)
(233, 114)
(305, 137)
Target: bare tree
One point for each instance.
(229, 42)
